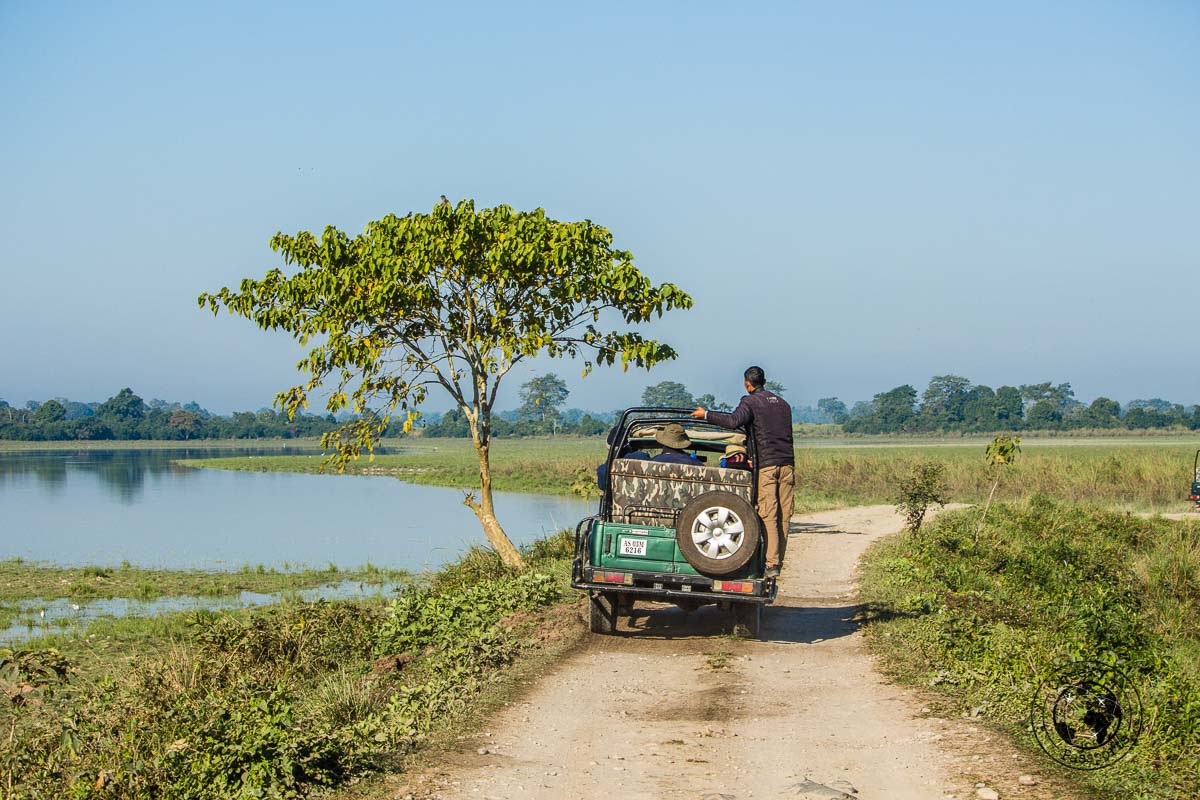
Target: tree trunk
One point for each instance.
(484, 509)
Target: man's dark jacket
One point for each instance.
(768, 417)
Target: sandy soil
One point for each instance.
(671, 709)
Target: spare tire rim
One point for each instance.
(718, 533)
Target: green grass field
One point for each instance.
(1132, 473)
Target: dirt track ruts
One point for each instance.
(670, 709)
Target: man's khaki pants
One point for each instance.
(776, 498)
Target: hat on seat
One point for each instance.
(672, 435)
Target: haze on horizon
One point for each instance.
(855, 197)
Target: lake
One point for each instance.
(108, 506)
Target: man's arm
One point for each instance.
(740, 417)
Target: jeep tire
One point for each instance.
(717, 533)
(747, 620)
(603, 616)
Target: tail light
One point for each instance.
(745, 587)
(612, 577)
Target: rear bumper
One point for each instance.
(674, 586)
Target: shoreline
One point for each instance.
(290, 698)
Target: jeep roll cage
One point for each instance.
(650, 416)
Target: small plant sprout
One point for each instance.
(1002, 452)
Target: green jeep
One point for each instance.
(678, 533)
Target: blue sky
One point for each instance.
(857, 197)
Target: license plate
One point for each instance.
(633, 547)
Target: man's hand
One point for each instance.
(699, 413)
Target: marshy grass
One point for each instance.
(24, 580)
(281, 701)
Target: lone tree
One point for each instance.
(668, 394)
(454, 299)
(542, 398)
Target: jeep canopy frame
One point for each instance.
(633, 419)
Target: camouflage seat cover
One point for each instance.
(652, 492)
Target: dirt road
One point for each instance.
(669, 709)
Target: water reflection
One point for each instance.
(105, 507)
(123, 473)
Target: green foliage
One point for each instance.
(453, 298)
(126, 417)
(584, 484)
(549, 549)
(125, 405)
(542, 398)
(889, 411)
(278, 702)
(952, 403)
(710, 402)
(916, 492)
(49, 411)
(833, 409)
(987, 620)
(668, 394)
(29, 676)
(1003, 450)
(440, 618)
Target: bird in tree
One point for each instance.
(443, 201)
(450, 300)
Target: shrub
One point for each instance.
(923, 487)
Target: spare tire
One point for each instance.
(717, 533)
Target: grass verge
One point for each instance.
(278, 702)
(987, 618)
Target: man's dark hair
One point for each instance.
(756, 377)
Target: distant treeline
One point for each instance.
(127, 416)
(952, 403)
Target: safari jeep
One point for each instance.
(678, 533)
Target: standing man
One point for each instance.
(769, 419)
